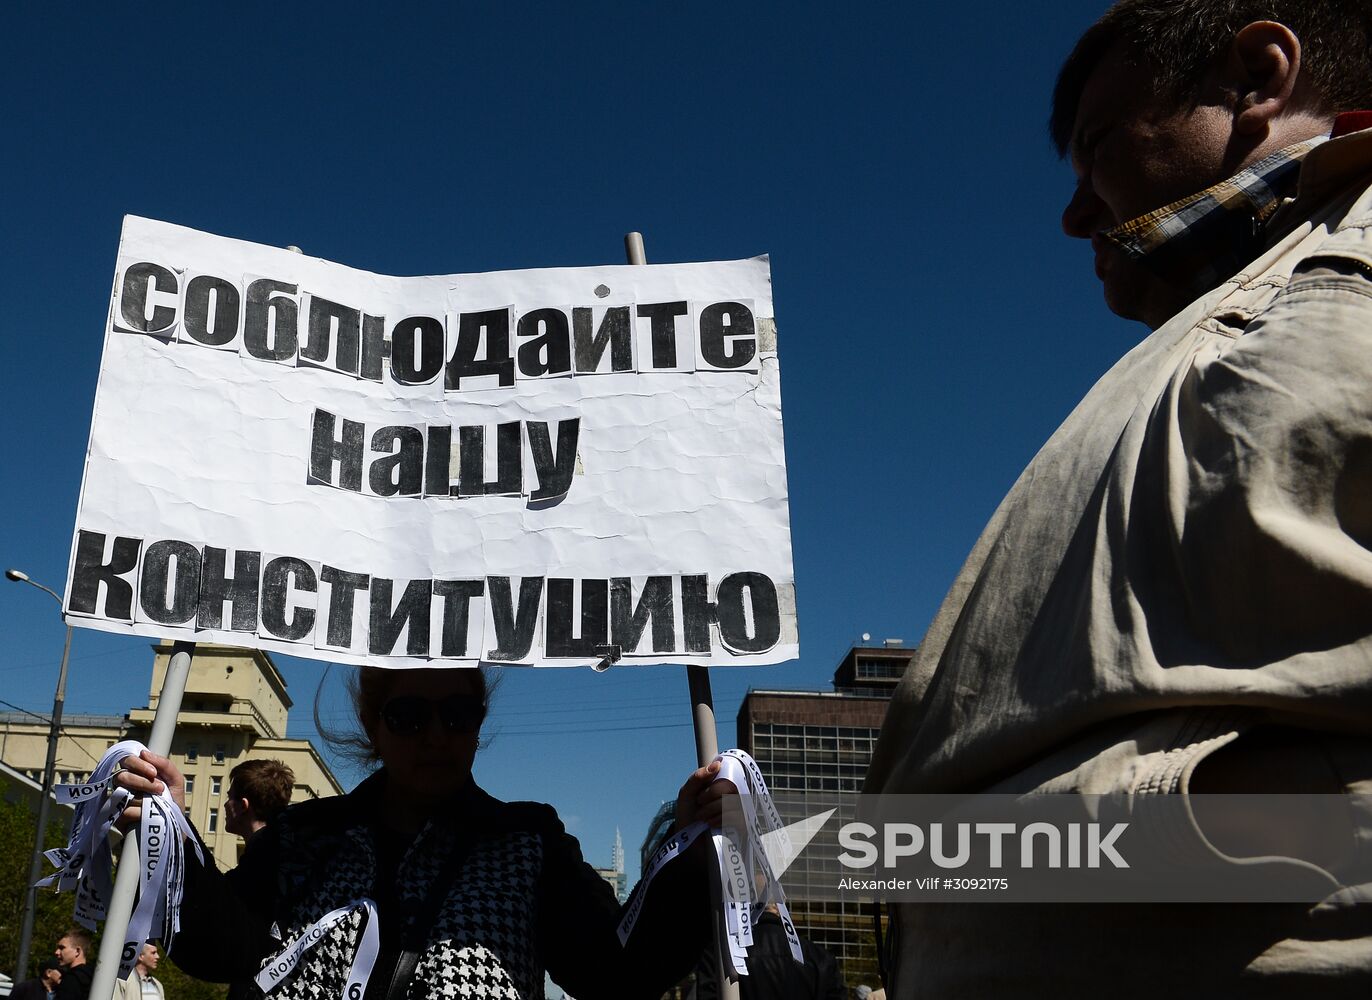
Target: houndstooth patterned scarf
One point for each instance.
(482, 942)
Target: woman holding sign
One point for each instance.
(419, 884)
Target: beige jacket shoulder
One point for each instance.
(132, 989)
(1188, 556)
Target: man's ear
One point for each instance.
(1263, 65)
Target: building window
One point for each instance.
(214, 785)
(192, 753)
(879, 670)
(190, 783)
(213, 825)
(219, 753)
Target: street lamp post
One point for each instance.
(36, 861)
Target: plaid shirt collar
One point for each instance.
(1205, 239)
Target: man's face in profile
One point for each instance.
(234, 817)
(67, 953)
(1133, 153)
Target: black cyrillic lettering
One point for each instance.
(615, 332)
(457, 596)
(325, 450)
(498, 360)
(386, 624)
(728, 338)
(733, 616)
(554, 471)
(376, 347)
(628, 621)
(514, 630)
(277, 579)
(417, 350)
(509, 461)
(270, 319)
(698, 613)
(343, 588)
(331, 323)
(164, 598)
(595, 618)
(133, 298)
(241, 591)
(203, 292)
(90, 570)
(545, 343)
(400, 469)
(438, 461)
(663, 329)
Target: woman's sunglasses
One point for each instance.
(409, 715)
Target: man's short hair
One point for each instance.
(266, 784)
(1178, 41)
(79, 937)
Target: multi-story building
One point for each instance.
(235, 708)
(822, 742)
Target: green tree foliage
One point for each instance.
(18, 824)
(180, 986)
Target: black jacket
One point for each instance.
(76, 982)
(298, 868)
(29, 989)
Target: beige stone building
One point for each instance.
(235, 707)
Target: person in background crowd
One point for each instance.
(44, 987)
(71, 951)
(141, 984)
(258, 791)
(467, 895)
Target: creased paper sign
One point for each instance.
(551, 466)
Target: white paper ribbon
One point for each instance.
(86, 864)
(747, 881)
(279, 968)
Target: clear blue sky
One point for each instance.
(935, 325)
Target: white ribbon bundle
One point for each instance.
(747, 880)
(86, 865)
(281, 965)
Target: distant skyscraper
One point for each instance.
(615, 873)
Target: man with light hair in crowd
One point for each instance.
(258, 791)
(73, 951)
(1176, 595)
(141, 984)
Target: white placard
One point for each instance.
(411, 471)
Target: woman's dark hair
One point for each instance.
(1177, 42)
(368, 688)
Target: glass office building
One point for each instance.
(822, 741)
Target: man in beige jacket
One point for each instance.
(141, 983)
(1176, 595)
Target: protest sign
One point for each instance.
(548, 466)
